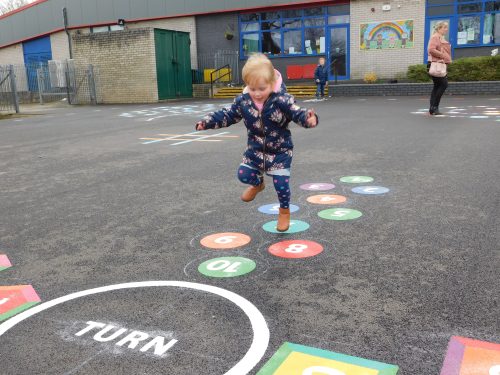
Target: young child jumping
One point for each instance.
(266, 111)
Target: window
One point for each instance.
(491, 28)
(468, 30)
(105, 29)
(289, 32)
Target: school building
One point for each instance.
(147, 51)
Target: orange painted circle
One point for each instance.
(227, 240)
(326, 199)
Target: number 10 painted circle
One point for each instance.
(227, 240)
(294, 249)
(340, 214)
(226, 267)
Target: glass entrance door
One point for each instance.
(338, 53)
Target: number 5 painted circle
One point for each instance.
(356, 179)
(370, 190)
(326, 199)
(274, 208)
(340, 214)
(225, 240)
(227, 267)
(294, 249)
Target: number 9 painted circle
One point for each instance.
(295, 249)
(226, 267)
(227, 240)
(340, 214)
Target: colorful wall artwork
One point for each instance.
(386, 35)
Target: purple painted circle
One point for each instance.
(317, 186)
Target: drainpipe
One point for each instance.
(65, 17)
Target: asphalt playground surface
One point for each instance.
(87, 202)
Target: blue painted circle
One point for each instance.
(370, 190)
(273, 208)
(295, 226)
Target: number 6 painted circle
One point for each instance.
(326, 199)
(295, 249)
(226, 267)
(225, 240)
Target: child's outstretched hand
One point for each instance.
(200, 125)
(312, 120)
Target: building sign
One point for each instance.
(386, 35)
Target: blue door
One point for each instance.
(338, 52)
(37, 53)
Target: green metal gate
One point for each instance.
(173, 64)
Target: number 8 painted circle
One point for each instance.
(295, 249)
(254, 354)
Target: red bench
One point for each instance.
(300, 71)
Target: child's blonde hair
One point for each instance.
(258, 66)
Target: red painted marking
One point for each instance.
(14, 296)
(294, 249)
(4, 261)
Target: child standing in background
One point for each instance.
(321, 77)
(266, 112)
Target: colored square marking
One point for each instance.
(14, 299)
(4, 262)
(294, 359)
(471, 357)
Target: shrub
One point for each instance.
(482, 68)
(370, 78)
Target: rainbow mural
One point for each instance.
(386, 35)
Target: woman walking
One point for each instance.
(439, 50)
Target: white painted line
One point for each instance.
(180, 135)
(260, 329)
(194, 139)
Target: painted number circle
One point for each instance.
(317, 186)
(295, 226)
(356, 179)
(326, 199)
(295, 249)
(226, 267)
(340, 214)
(225, 240)
(370, 190)
(274, 208)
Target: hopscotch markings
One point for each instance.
(356, 179)
(260, 340)
(17, 298)
(304, 360)
(370, 190)
(295, 227)
(317, 186)
(326, 199)
(295, 249)
(4, 262)
(226, 240)
(473, 112)
(131, 340)
(340, 214)
(273, 208)
(185, 138)
(227, 267)
(157, 113)
(469, 356)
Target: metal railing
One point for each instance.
(9, 100)
(219, 76)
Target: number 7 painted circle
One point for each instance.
(254, 354)
(227, 240)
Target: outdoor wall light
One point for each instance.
(121, 22)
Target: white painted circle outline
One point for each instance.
(254, 354)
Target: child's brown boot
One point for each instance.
(251, 192)
(283, 220)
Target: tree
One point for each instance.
(7, 6)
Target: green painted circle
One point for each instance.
(227, 267)
(340, 214)
(295, 226)
(356, 179)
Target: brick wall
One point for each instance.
(186, 24)
(59, 45)
(126, 62)
(386, 63)
(12, 55)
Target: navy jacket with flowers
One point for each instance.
(270, 145)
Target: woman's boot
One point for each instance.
(283, 220)
(251, 192)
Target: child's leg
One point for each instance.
(318, 89)
(322, 89)
(249, 176)
(282, 186)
